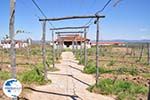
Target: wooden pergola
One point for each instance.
(97, 17)
(66, 28)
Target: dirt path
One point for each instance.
(67, 84)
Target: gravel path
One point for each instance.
(67, 84)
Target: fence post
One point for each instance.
(73, 46)
(97, 51)
(81, 46)
(12, 34)
(127, 48)
(148, 53)
(43, 50)
(2, 57)
(58, 45)
(141, 53)
(53, 54)
(85, 48)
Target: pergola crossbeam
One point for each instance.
(69, 32)
(71, 17)
(62, 28)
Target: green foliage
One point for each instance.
(91, 50)
(81, 60)
(67, 49)
(124, 70)
(123, 89)
(111, 63)
(36, 52)
(146, 75)
(32, 76)
(90, 68)
(133, 71)
(104, 70)
(4, 75)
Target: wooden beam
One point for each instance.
(62, 28)
(69, 32)
(71, 17)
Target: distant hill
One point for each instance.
(127, 41)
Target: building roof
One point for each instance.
(67, 38)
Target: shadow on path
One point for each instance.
(73, 97)
(72, 77)
(75, 68)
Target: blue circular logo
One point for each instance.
(12, 88)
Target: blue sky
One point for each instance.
(129, 20)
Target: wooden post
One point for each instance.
(73, 46)
(2, 55)
(44, 51)
(81, 48)
(127, 49)
(58, 37)
(62, 44)
(97, 51)
(85, 49)
(76, 50)
(56, 54)
(53, 54)
(29, 56)
(148, 52)
(11, 35)
(141, 53)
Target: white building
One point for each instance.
(18, 44)
(72, 41)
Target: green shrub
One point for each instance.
(32, 76)
(104, 70)
(133, 71)
(123, 70)
(4, 75)
(81, 60)
(90, 68)
(123, 89)
(36, 52)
